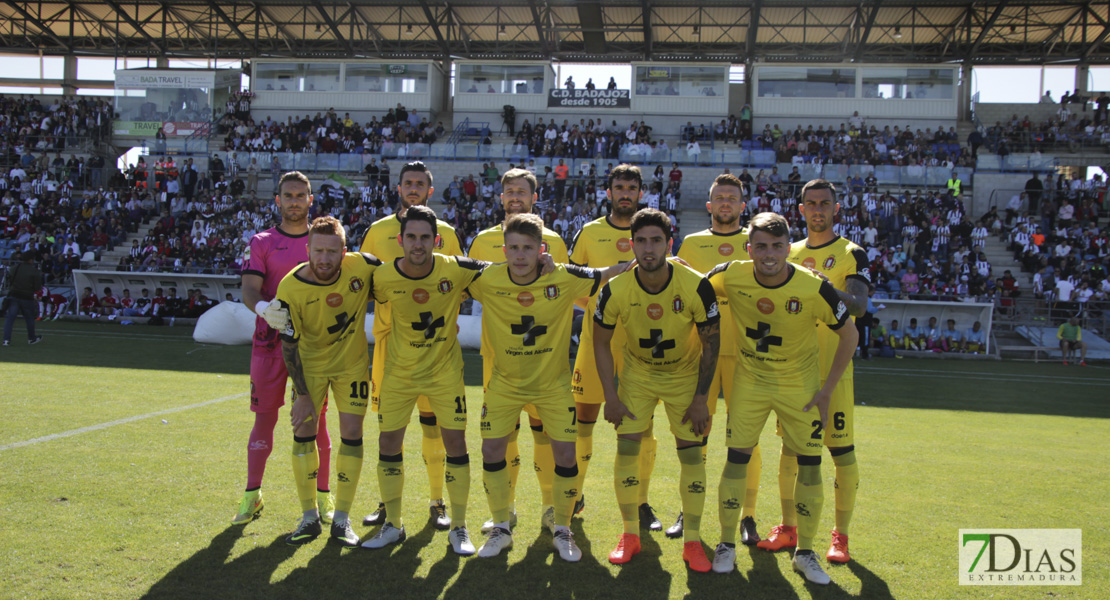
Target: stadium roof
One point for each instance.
(991, 32)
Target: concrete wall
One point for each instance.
(994, 189)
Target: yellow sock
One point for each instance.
(809, 497)
(788, 474)
(543, 461)
(457, 477)
(496, 479)
(847, 482)
(648, 444)
(306, 462)
(691, 488)
(729, 493)
(432, 449)
(755, 470)
(564, 480)
(627, 484)
(584, 447)
(512, 456)
(391, 483)
(348, 469)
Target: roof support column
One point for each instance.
(69, 75)
(964, 92)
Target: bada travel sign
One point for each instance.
(560, 98)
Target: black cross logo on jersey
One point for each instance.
(341, 323)
(764, 341)
(656, 342)
(529, 329)
(427, 325)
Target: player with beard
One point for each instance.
(844, 265)
(324, 347)
(414, 188)
(669, 313)
(599, 244)
(269, 257)
(518, 196)
(704, 250)
(776, 307)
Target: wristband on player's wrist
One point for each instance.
(260, 306)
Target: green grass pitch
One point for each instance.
(139, 508)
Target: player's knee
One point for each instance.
(738, 457)
(841, 451)
(813, 460)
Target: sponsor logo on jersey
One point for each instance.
(713, 311)
(551, 292)
(624, 245)
(765, 306)
(247, 254)
(355, 285)
(725, 249)
(439, 242)
(543, 247)
(866, 273)
(525, 299)
(677, 304)
(334, 300)
(793, 305)
(829, 263)
(840, 309)
(445, 286)
(420, 295)
(654, 312)
(809, 262)
(483, 411)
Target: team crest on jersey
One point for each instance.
(334, 300)
(525, 299)
(439, 242)
(355, 285)
(551, 292)
(765, 306)
(654, 312)
(677, 304)
(483, 411)
(809, 262)
(624, 244)
(577, 377)
(829, 263)
(445, 286)
(725, 249)
(793, 305)
(420, 296)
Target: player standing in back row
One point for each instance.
(414, 189)
(518, 196)
(270, 255)
(845, 266)
(603, 243)
(704, 250)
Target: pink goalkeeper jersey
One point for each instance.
(271, 254)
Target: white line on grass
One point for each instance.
(986, 376)
(72, 432)
(113, 334)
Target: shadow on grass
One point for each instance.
(208, 573)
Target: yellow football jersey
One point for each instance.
(705, 250)
(328, 321)
(839, 260)
(528, 326)
(660, 327)
(425, 311)
(381, 241)
(777, 336)
(601, 244)
(488, 243)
